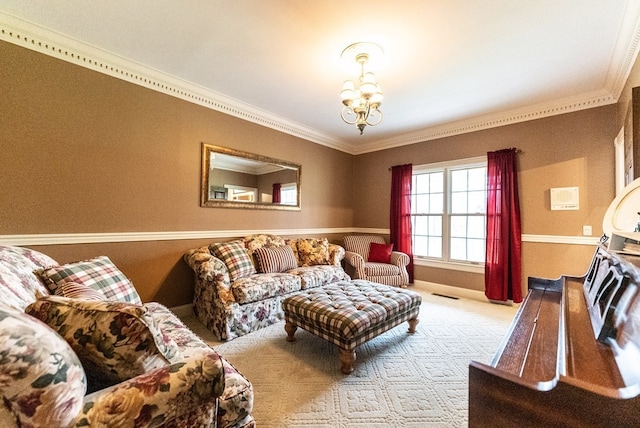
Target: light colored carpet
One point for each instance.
(400, 380)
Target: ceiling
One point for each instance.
(450, 66)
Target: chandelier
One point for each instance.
(362, 100)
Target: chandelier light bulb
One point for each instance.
(361, 103)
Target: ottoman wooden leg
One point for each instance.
(291, 330)
(347, 357)
(412, 325)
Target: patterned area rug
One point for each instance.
(400, 380)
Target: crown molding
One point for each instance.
(34, 37)
(625, 50)
(536, 111)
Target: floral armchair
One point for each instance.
(370, 257)
(140, 365)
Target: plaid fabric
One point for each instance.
(271, 260)
(99, 273)
(235, 256)
(349, 313)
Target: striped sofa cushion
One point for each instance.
(271, 260)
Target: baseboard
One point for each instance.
(183, 311)
(448, 290)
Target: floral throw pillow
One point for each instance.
(115, 341)
(98, 273)
(42, 380)
(313, 251)
(18, 284)
(235, 256)
(271, 260)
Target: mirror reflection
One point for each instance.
(236, 179)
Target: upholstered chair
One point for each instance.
(370, 257)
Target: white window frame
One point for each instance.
(444, 262)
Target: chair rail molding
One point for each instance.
(93, 238)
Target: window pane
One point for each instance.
(436, 203)
(477, 178)
(458, 248)
(458, 180)
(477, 202)
(421, 183)
(459, 226)
(459, 202)
(422, 204)
(435, 225)
(476, 227)
(421, 226)
(437, 182)
(435, 247)
(421, 246)
(476, 249)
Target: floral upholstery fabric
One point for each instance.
(234, 308)
(115, 341)
(264, 285)
(42, 382)
(177, 395)
(315, 276)
(313, 252)
(18, 285)
(253, 242)
(98, 273)
(201, 389)
(236, 401)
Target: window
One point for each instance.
(448, 211)
(288, 194)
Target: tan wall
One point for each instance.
(83, 152)
(567, 150)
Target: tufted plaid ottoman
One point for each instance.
(349, 313)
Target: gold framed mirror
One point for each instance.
(236, 179)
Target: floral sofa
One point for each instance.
(79, 349)
(240, 284)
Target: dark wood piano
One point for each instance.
(572, 355)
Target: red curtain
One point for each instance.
(503, 265)
(400, 218)
(277, 196)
